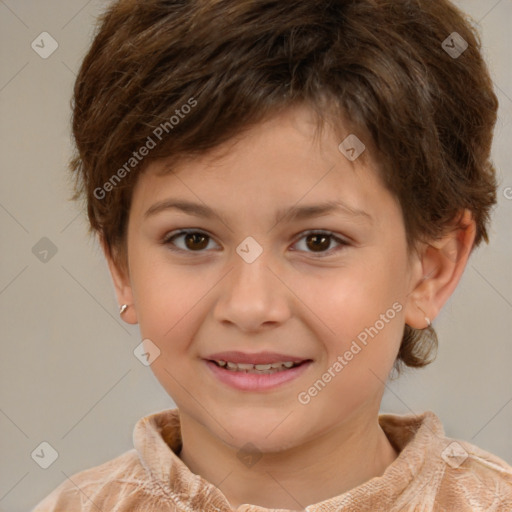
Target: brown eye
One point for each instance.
(196, 241)
(320, 243)
(193, 241)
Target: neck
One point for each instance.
(326, 466)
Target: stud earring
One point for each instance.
(123, 308)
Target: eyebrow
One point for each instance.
(293, 212)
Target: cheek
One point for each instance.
(165, 296)
(362, 316)
(353, 297)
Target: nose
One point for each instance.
(253, 295)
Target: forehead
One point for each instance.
(281, 162)
(301, 128)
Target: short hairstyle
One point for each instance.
(180, 77)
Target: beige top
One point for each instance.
(431, 473)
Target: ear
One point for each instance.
(119, 272)
(438, 268)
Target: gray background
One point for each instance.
(67, 370)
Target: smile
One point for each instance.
(256, 368)
(256, 377)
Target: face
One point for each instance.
(323, 289)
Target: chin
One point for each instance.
(246, 442)
(268, 435)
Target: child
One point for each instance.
(287, 193)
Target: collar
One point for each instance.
(157, 440)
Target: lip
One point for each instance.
(255, 358)
(253, 382)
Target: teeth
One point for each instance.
(255, 368)
(242, 366)
(262, 366)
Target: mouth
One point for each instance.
(256, 372)
(259, 369)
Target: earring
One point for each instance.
(427, 319)
(123, 308)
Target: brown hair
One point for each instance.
(179, 77)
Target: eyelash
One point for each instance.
(168, 241)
